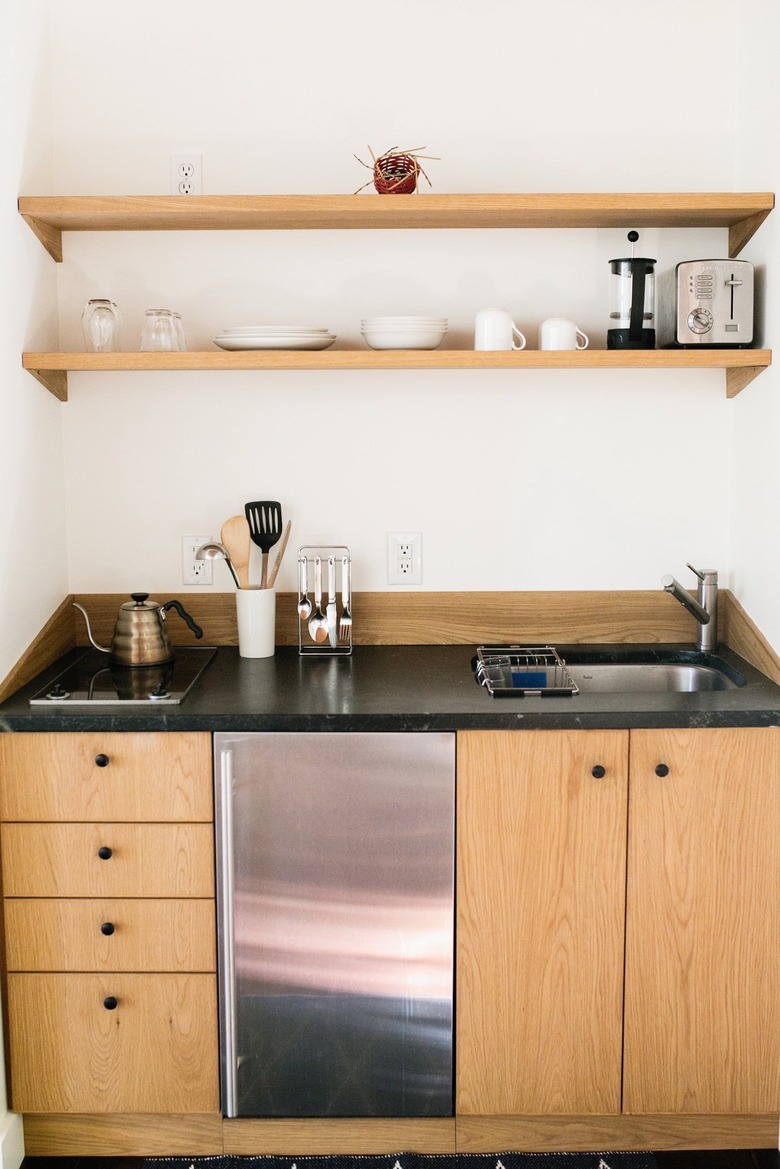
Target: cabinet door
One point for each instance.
(541, 900)
(702, 962)
(155, 1051)
(85, 934)
(164, 775)
(107, 860)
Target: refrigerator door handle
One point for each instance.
(227, 940)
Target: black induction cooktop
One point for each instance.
(92, 679)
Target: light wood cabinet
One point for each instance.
(113, 1043)
(540, 894)
(703, 922)
(81, 934)
(106, 776)
(541, 938)
(108, 860)
(108, 886)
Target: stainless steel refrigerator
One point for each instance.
(335, 912)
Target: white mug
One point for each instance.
(256, 612)
(495, 329)
(558, 333)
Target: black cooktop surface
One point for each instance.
(94, 680)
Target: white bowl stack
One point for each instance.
(403, 332)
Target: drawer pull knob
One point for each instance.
(101, 760)
(110, 1003)
(107, 928)
(662, 770)
(598, 772)
(104, 853)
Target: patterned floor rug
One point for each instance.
(418, 1161)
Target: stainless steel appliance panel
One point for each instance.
(336, 861)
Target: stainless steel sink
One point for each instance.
(650, 677)
(512, 671)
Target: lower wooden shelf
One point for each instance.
(741, 365)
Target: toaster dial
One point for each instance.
(700, 320)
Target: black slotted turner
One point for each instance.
(265, 527)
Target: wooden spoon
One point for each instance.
(235, 536)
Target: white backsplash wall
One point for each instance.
(756, 421)
(516, 480)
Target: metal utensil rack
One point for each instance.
(512, 671)
(338, 639)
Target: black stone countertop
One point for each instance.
(397, 688)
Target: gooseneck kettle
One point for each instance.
(140, 637)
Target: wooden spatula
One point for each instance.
(235, 536)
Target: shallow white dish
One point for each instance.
(405, 322)
(278, 341)
(403, 338)
(274, 330)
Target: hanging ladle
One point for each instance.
(217, 551)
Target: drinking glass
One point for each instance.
(159, 331)
(100, 324)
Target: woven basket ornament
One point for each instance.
(396, 172)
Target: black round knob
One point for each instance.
(107, 928)
(139, 598)
(662, 770)
(110, 1003)
(101, 760)
(633, 236)
(104, 853)
(598, 772)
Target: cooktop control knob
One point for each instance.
(700, 320)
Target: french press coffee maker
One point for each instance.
(632, 301)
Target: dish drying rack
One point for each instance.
(514, 670)
(314, 561)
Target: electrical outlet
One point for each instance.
(195, 572)
(186, 174)
(404, 558)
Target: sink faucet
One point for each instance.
(705, 609)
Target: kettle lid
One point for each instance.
(139, 601)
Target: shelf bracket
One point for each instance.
(55, 381)
(743, 231)
(50, 237)
(741, 376)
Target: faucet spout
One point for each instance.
(704, 609)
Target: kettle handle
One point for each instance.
(177, 605)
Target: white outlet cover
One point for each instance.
(200, 572)
(404, 569)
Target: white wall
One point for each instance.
(756, 485)
(33, 576)
(539, 480)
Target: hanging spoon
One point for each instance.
(304, 604)
(318, 625)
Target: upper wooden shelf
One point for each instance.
(741, 365)
(48, 217)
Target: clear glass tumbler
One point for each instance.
(100, 324)
(159, 332)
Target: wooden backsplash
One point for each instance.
(420, 618)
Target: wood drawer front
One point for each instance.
(155, 1052)
(150, 776)
(147, 860)
(172, 935)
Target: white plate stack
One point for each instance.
(403, 332)
(274, 337)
